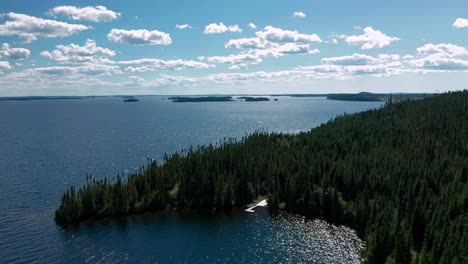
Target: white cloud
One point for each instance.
(252, 25)
(370, 39)
(183, 26)
(13, 53)
(28, 28)
(214, 28)
(436, 62)
(74, 53)
(460, 23)
(355, 59)
(139, 37)
(449, 50)
(279, 35)
(332, 41)
(89, 13)
(246, 43)
(5, 65)
(389, 57)
(299, 14)
(408, 57)
(144, 65)
(273, 42)
(242, 60)
(441, 57)
(277, 50)
(361, 64)
(386, 69)
(86, 69)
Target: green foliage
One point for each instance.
(398, 175)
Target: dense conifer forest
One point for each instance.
(398, 175)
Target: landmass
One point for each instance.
(398, 175)
(372, 97)
(201, 99)
(363, 96)
(131, 100)
(253, 99)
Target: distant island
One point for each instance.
(201, 99)
(363, 96)
(131, 100)
(253, 99)
(398, 175)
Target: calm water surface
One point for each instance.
(46, 146)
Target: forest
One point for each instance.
(397, 175)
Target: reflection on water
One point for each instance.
(212, 238)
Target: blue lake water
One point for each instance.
(46, 146)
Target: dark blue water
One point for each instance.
(46, 146)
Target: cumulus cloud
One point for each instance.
(28, 28)
(355, 59)
(5, 65)
(13, 53)
(450, 50)
(240, 60)
(370, 39)
(279, 35)
(139, 37)
(435, 62)
(299, 14)
(441, 57)
(272, 42)
(89, 13)
(278, 50)
(183, 26)
(75, 53)
(144, 65)
(252, 25)
(332, 41)
(214, 28)
(360, 64)
(385, 69)
(460, 23)
(246, 43)
(86, 69)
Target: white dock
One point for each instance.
(262, 203)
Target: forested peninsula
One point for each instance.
(397, 175)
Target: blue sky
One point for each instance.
(256, 47)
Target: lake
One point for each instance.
(48, 145)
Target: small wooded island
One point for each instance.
(398, 175)
(253, 99)
(131, 100)
(180, 99)
(362, 96)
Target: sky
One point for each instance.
(232, 47)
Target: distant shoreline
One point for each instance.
(362, 96)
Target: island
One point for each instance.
(179, 99)
(253, 99)
(131, 100)
(398, 175)
(363, 96)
